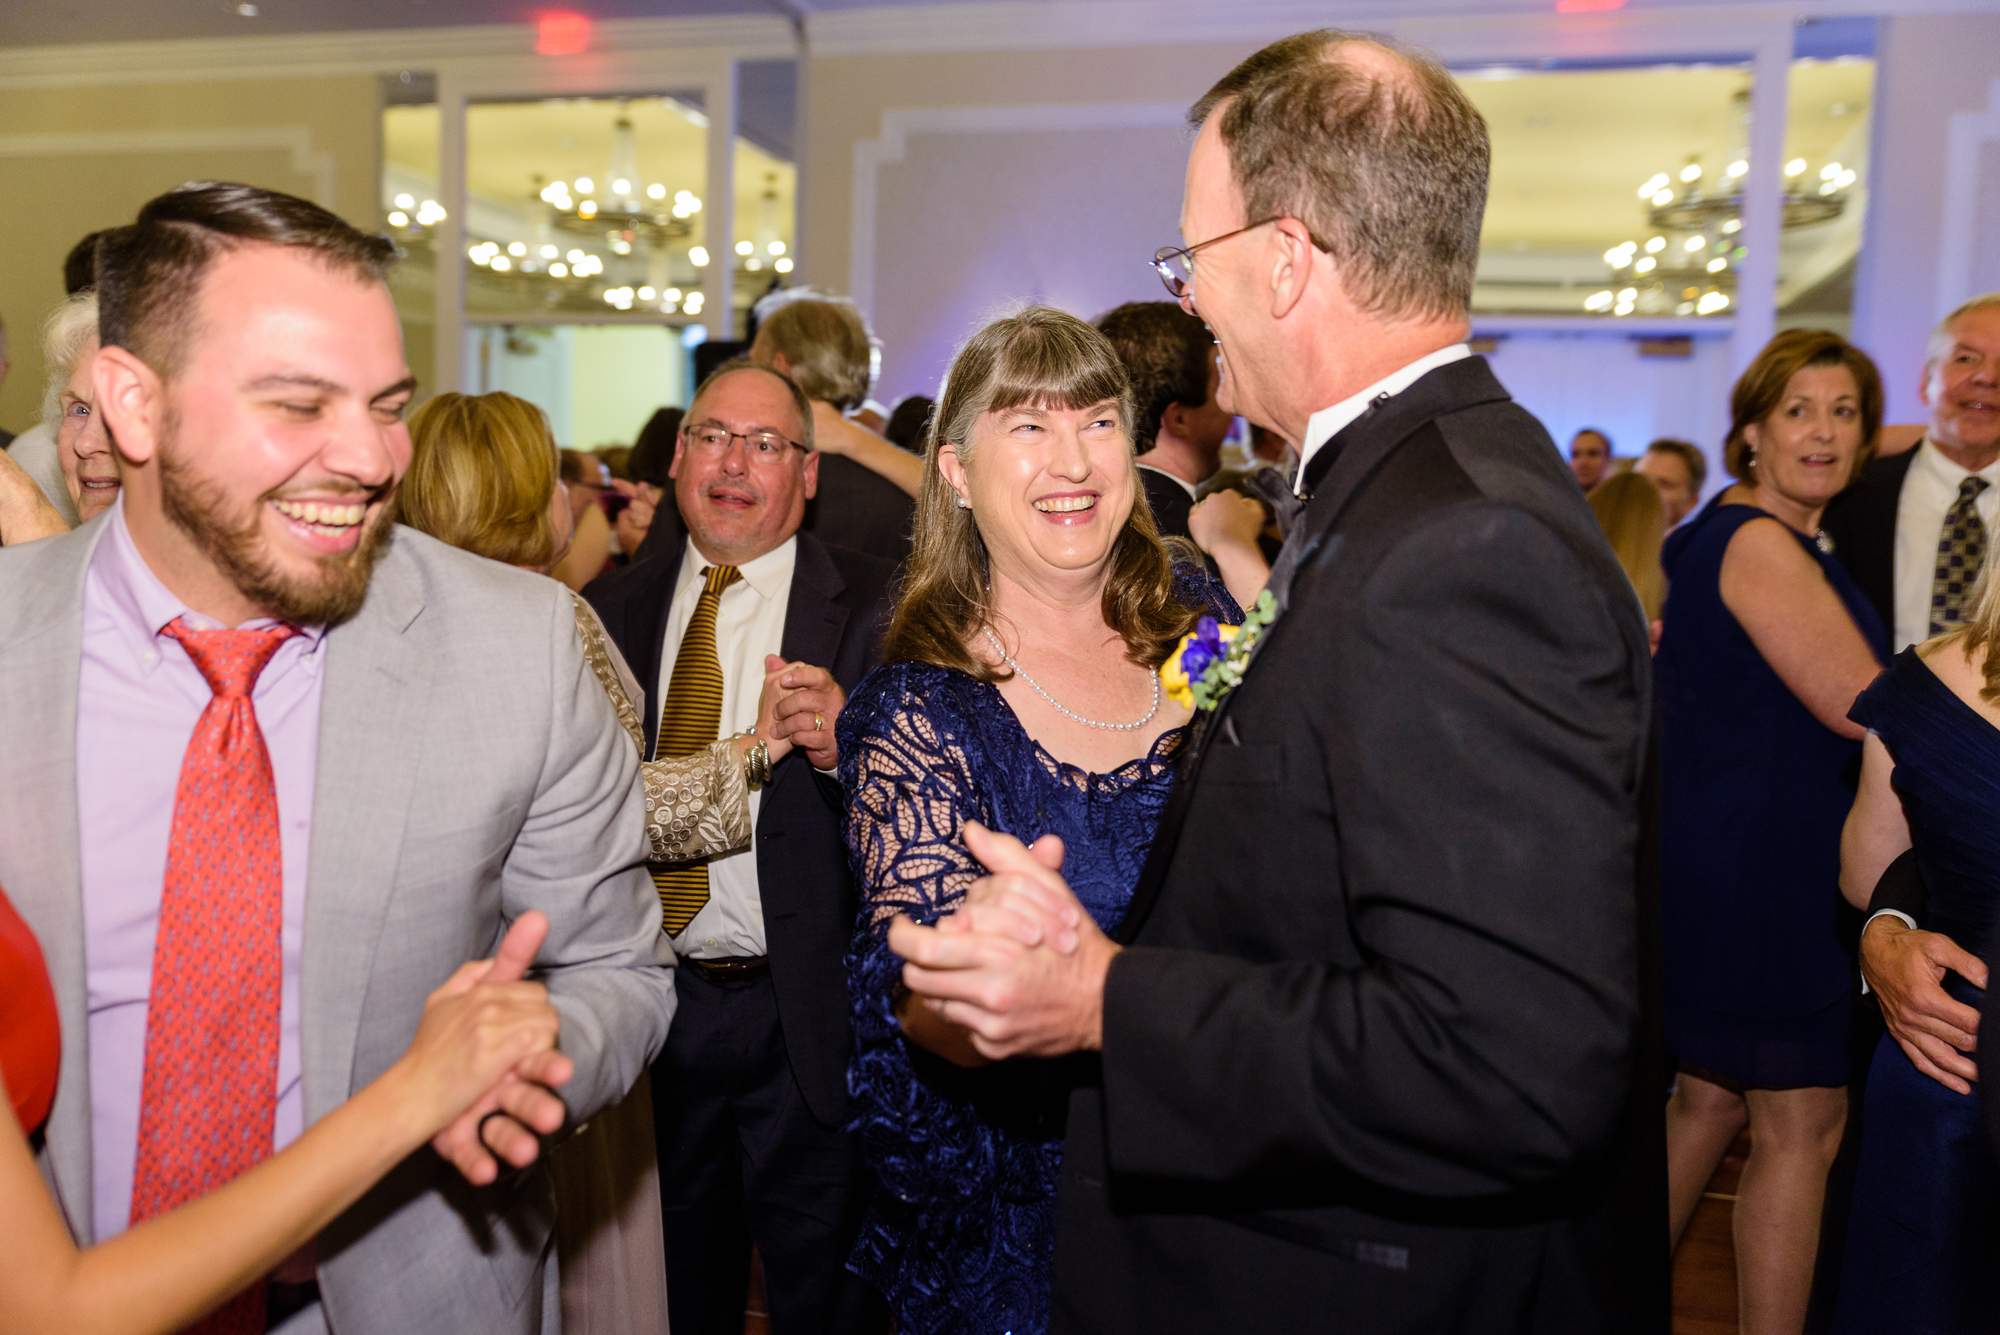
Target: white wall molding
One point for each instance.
(1969, 132)
(871, 155)
(296, 140)
(498, 50)
(1445, 26)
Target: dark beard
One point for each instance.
(198, 510)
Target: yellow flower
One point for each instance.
(1174, 680)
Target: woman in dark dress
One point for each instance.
(1923, 1234)
(1767, 643)
(1019, 690)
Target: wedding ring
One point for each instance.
(819, 724)
(480, 1130)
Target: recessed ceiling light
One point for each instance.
(247, 11)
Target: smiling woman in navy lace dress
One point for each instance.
(1019, 690)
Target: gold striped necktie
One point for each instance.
(690, 722)
(1961, 549)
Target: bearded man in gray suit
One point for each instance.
(439, 757)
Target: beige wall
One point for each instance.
(846, 96)
(972, 218)
(77, 159)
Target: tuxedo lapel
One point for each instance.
(371, 740)
(1334, 476)
(41, 648)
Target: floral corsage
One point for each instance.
(1210, 662)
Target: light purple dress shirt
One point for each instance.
(138, 696)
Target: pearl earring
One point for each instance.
(964, 504)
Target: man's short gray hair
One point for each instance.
(1941, 339)
(824, 339)
(70, 326)
(1385, 164)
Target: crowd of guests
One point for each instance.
(792, 779)
(1822, 625)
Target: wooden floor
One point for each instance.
(1705, 1265)
(755, 1321)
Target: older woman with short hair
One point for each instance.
(69, 412)
(1020, 690)
(1767, 644)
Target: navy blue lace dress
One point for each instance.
(961, 1233)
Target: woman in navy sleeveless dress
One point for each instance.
(1923, 1234)
(1759, 981)
(1766, 644)
(1006, 611)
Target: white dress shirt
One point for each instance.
(1929, 492)
(1327, 423)
(749, 623)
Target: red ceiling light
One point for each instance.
(558, 32)
(1586, 6)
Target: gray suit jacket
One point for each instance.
(470, 769)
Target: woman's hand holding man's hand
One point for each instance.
(487, 1044)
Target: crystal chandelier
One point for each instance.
(1689, 266)
(625, 210)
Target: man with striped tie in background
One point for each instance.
(751, 1092)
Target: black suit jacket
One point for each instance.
(1382, 1052)
(1169, 500)
(1862, 523)
(835, 617)
(860, 510)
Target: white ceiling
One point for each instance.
(28, 23)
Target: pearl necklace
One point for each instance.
(1088, 722)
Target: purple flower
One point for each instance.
(1203, 649)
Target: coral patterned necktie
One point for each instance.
(1961, 549)
(689, 722)
(209, 1100)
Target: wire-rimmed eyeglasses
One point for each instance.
(714, 441)
(1175, 264)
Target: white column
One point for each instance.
(801, 132)
(1756, 304)
(449, 338)
(718, 209)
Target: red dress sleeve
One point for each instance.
(30, 1034)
